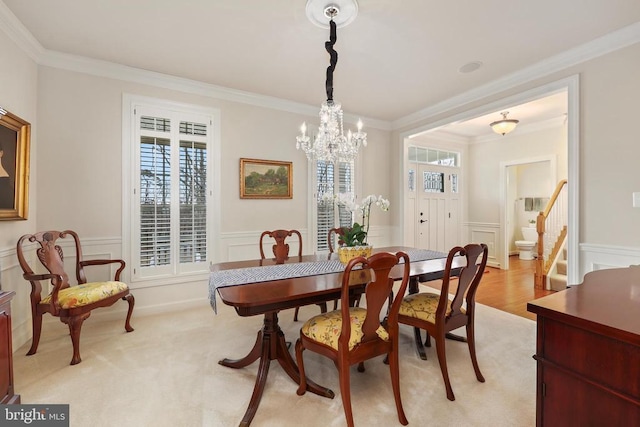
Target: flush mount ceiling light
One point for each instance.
(505, 125)
(330, 144)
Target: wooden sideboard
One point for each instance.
(588, 352)
(7, 395)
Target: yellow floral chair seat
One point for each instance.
(422, 306)
(85, 294)
(325, 328)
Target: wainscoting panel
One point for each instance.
(487, 233)
(599, 257)
(11, 280)
(240, 246)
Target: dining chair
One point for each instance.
(331, 238)
(280, 248)
(72, 304)
(438, 315)
(281, 254)
(351, 335)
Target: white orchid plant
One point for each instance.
(356, 235)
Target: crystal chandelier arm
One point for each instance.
(333, 59)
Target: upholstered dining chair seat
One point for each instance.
(85, 294)
(325, 328)
(423, 306)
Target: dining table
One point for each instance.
(266, 287)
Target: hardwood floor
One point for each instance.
(507, 290)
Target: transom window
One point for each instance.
(434, 157)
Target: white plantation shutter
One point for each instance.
(345, 185)
(170, 233)
(325, 209)
(155, 201)
(329, 184)
(193, 194)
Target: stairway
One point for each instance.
(558, 277)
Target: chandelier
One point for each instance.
(331, 144)
(505, 125)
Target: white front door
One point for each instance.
(433, 218)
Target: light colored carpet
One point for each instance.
(166, 373)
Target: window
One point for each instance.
(433, 182)
(171, 195)
(432, 156)
(329, 184)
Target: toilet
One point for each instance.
(527, 245)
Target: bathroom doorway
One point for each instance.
(526, 182)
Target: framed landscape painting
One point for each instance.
(266, 179)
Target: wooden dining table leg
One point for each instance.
(419, 346)
(270, 345)
(253, 355)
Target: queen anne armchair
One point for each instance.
(72, 304)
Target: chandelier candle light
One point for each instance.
(330, 143)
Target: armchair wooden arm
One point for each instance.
(36, 289)
(90, 262)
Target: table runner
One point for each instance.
(242, 276)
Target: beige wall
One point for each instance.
(18, 84)
(82, 145)
(609, 149)
(18, 87)
(484, 167)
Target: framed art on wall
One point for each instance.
(266, 179)
(15, 136)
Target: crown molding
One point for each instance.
(121, 72)
(443, 135)
(611, 42)
(17, 32)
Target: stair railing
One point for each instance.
(551, 225)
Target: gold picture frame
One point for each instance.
(15, 137)
(266, 179)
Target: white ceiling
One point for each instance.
(547, 111)
(396, 58)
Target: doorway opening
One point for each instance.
(566, 165)
(526, 182)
